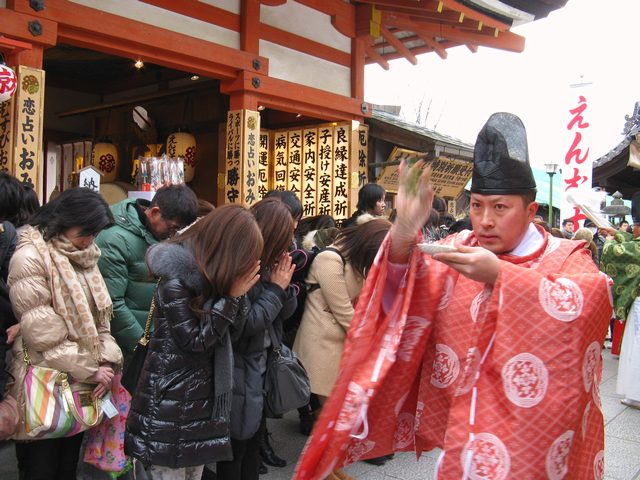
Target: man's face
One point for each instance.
(160, 227)
(568, 227)
(635, 230)
(500, 221)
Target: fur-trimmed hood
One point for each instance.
(170, 260)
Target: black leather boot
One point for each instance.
(268, 455)
(307, 419)
(262, 469)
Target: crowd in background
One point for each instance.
(79, 279)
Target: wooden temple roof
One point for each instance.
(406, 28)
(612, 171)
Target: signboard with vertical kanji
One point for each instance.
(340, 197)
(325, 170)
(250, 158)
(280, 161)
(263, 164)
(358, 162)
(294, 164)
(309, 172)
(29, 106)
(233, 157)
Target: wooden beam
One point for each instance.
(376, 57)
(273, 3)
(295, 98)
(125, 37)
(12, 45)
(16, 25)
(343, 14)
(417, 51)
(472, 48)
(505, 41)
(302, 44)
(216, 16)
(250, 26)
(476, 15)
(433, 44)
(201, 11)
(357, 68)
(398, 45)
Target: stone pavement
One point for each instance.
(622, 444)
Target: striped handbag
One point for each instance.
(56, 405)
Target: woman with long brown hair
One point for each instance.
(271, 300)
(180, 412)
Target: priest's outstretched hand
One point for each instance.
(476, 263)
(413, 205)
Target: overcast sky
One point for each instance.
(586, 41)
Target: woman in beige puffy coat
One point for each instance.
(64, 310)
(336, 278)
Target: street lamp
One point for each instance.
(552, 169)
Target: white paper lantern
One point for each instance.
(8, 83)
(105, 158)
(183, 144)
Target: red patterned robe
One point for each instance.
(504, 379)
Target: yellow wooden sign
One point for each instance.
(263, 163)
(233, 157)
(29, 106)
(309, 172)
(325, 170)
(250, 147)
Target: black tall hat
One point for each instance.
(501, 159)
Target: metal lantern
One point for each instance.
(183, 144)
(8, 82)
(105, 158)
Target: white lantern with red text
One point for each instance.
(105, 158)
(8, 82)
(183, 144)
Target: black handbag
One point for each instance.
(132, 373)
(286, 383)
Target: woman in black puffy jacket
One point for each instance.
(180, 412)
(271, 300)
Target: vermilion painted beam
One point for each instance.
(176, 60)
(16, 25)
(431, 43)
(470, 12)
(77, 22)
(398, 45)
(357, 68)
(374, 55)
(416, 51)
(250, 26)
(296, 98)
(273, 3)
(14, 45)
(343, 14)
(201, 11)
(302, 44)
(505, 41)
(210, 14)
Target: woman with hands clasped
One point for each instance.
(180, 411)
(271, 300)
(64, 308)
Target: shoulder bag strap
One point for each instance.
(147, 328)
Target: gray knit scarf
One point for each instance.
(222, 369)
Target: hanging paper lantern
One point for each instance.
(8, 83)
(105, 158)
(183, 144)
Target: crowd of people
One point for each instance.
(387, 334)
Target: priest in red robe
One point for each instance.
(491, 353)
